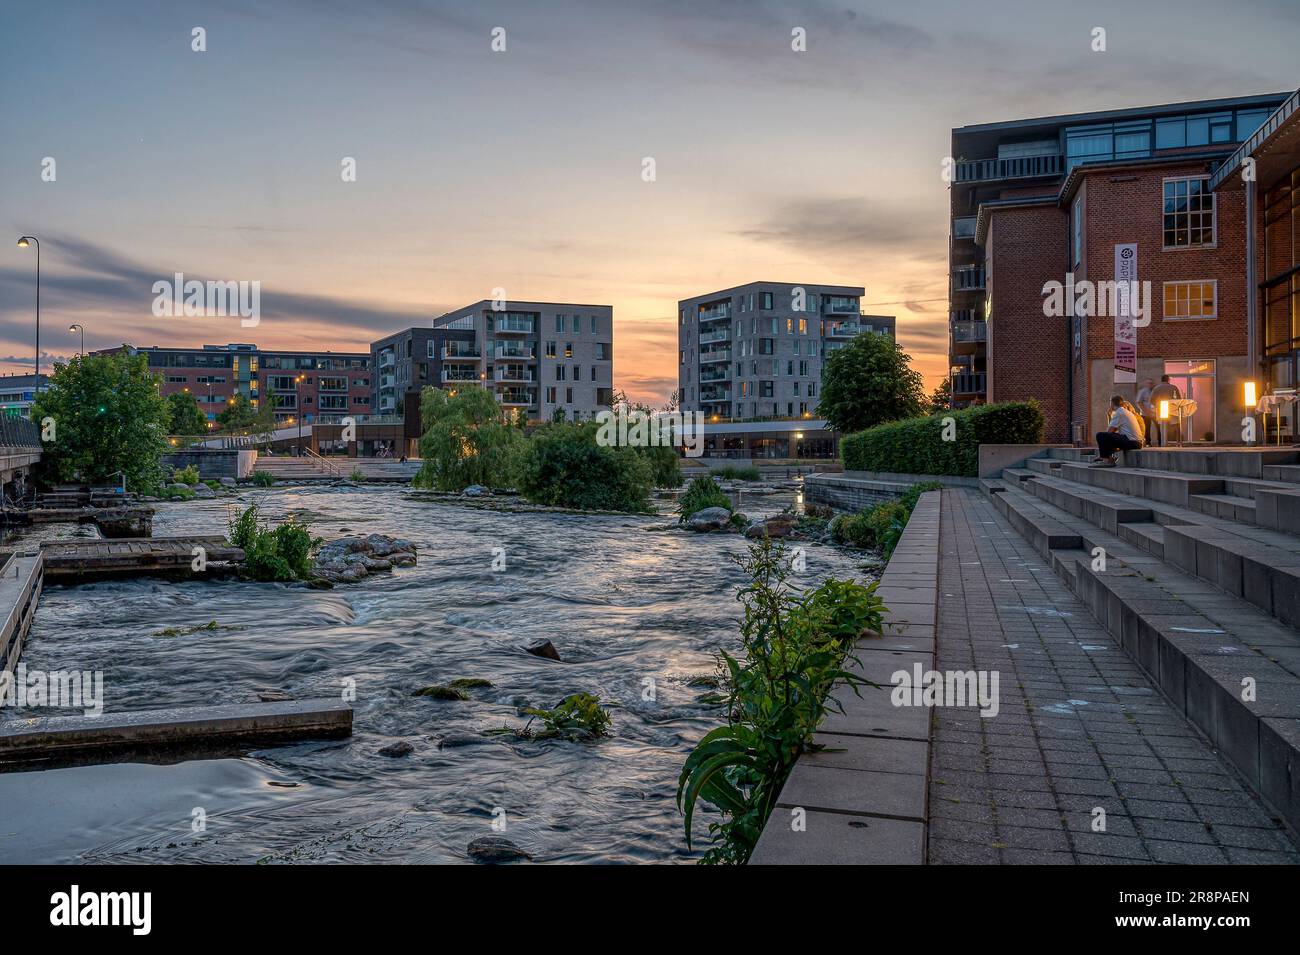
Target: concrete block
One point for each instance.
(1279, 767)
(839, 839)
(867, 792)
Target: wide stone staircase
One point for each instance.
(308, 468)
(1191, 560)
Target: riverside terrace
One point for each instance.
(1145, 623)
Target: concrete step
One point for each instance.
(1072, 454)
(1282, 472)
(1105, 510)
(992, 486)
(1278, 510)
(1172, 487)
(1017, 475)
(1227, 506)
(1197, 644)
(1149, 536)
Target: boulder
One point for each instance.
(228, 482)
(543, 648)
(202, 490)
(400, 748)
(458, 738)
(475, 490)
(495, 849)
(709, 519)
(350, 559)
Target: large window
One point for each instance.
(1189, 300)
(1189, 213)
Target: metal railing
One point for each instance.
(319, 461)
(16, 432)
(971, 383)
(1019, 167)
(968, 278)
(970, 331)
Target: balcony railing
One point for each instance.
(968, 279)
(844, 329)
(715, 313)
(969, 383)
(719, 336)
(459, 374)
(715, 375)
(715, 396)
(840, 306)
(963, 314)
(517, 352)
(514, 373)
(513, 325)
(1019, 167)
(456, 350)
(970, 332)
(516, 396)
(386, 359)
(716, 354)
(963, 227)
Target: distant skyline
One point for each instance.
(522, 169)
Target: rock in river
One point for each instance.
(543, 648)
(349, 559)
(709, 519)
(400, 748)
(495, 849)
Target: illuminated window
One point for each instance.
(1188, 212)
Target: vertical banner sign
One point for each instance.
(1126, 344)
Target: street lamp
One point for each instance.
(297, 400)
(74, 327)
(23, 242)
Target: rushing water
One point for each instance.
(623, 602)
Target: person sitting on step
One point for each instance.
(1124, 433)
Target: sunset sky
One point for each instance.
(522, 169)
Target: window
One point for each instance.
(560, 372)
(1186, 300)
(568, 396)
(767, 300)
(765, 346)
(550, 394)
(593, 324)
(603, 351)
(765, 389)
(1076, 231)
(568, 349)
(1189, 213)
(577, 373)
(789, 326)
(559, 324)
(550, 349)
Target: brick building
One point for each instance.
(1057, 199)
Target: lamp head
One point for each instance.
(23, 243)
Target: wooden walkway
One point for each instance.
(21, 577)
(136, 555)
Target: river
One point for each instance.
(628, 607)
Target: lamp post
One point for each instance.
(297, 400)
(74, 327)
(23, 242)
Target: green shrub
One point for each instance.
(701, 493)
(186, 475)
(577, 717)
(737, 472)
(883, 524)
(795, 649)
(887, 522)
(176, 493)
(283, 552)
(665, 465)
(263, 478)
(562, 465)
(916, 446)
(855, 530)
(356, 477)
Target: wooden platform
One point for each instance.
(151, 733)
(136, 555)
(21, 576)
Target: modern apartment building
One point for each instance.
(756, 350)
(1095, 198)
(17, 393)
(538, 358)
(311, 385)
(414, 358)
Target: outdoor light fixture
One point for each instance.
(74, 327)
(24, 241)
(1251, 399)
(1164, 410)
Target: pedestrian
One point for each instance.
(1150, 414)
(1165, 391)
(1123, 433)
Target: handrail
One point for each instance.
(329, 466)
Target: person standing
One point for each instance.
(1124, 433)
(1150, 416)
(1165, 391)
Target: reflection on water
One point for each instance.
(623, 603)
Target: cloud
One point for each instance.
(850, 227)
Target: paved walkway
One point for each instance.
(1080, 728)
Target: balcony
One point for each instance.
(1019, 167)
(963, 227)
(968, 383)
(968, 278)
(387, 381)
(715, 354)
(514, 373)
(721, 335)
(969, 332)
(844, 329)
(386, 359)
(714, 396)
(513, 326)
(715, 375)
(716, 313)
(457, 351)
(514, 352)
(839, 306)
(459, 374)
(517, 397)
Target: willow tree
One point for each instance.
(466, 441)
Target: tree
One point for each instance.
(242, 415)
(465, 440)
(107, 415)
(185, 416)
(941, 397)
(868, 382)
(563, 465)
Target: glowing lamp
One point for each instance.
(1164, 410)
(1251, 399)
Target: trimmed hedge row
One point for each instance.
(916, 445)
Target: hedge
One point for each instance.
(916, 445)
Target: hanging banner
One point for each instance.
(1126, 344)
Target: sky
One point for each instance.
(523, 169)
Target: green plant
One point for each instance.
(563, 465)
(356, 476)
(283, 552)
(869, 381)
(881, 525)
(702, 492)
(577, 717)
(795, 649)
(933, 446)
(184, 415)
(737, 472)
(465, 440)
(263, 478)
(854, 530)
(182, 493)
(887, 522)
(186, 475)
